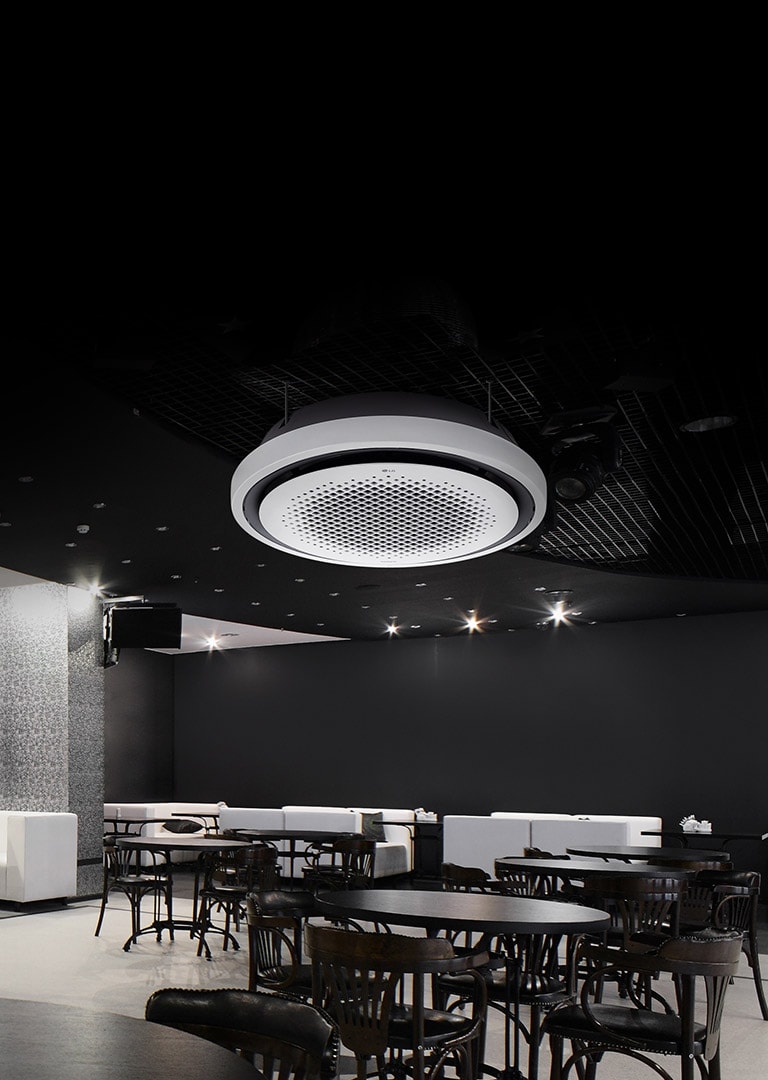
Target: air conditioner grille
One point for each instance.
(378, 513)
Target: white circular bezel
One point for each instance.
(451, 444)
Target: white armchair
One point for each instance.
(38, 856)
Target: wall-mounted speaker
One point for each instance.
(146, 626)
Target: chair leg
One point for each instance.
(102, 909)
(753, 959)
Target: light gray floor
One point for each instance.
(54, 956)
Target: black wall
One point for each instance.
(138, 727)
(662, 717)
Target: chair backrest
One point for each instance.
(360, 975)
(523, 882)
(284, 1038)
(457, 878)
(274, 931)
(734, 898)
(357, 857)
(642, 905)
(244, 868)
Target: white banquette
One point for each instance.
(391, 828)
(478, 840)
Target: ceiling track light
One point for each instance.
(388, 480)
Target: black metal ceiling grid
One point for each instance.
(653, 513)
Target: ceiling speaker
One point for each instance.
(388, 480)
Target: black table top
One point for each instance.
(583, 867)
(655, 854)
(179, 842)
(681, 834)
(311, 835)
(483, 912)
(40, 1041)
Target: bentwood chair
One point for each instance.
(645, 911)
(228, 877)
(275, 925)
(351, 866)
(122, 873)
(283, 1038)
(372, 984)
(727, 900)
(700, 968)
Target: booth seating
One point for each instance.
(478, 840)
(388, 827)
(164, 812)
(38, 856)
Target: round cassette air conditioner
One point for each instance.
(388, 480)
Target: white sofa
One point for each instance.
(38, 856)
(393, 853)
(145, 811)
(478, 840)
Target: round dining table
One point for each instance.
(42, 1041)
(485, 913)
(580, 868)
(650, 854)
(165, 846)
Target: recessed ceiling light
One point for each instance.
(161, 528)
(388, 480)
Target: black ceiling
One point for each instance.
(146, 405)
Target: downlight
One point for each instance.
(388, 480)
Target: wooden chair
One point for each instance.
(275, 924)
(361, 979)
(123, 873)
(283, 1038)
(637, 1030)
(351, 866)
(727, 900)
(645, 912)
(456, 878)
(523, 882)
(228, 877)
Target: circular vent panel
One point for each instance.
(388, 480)
(388, 514)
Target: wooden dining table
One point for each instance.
(165, 846)
(649, 854)
(579, 868)
(43, 1041)
(484, 913)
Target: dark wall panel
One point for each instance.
(138, 727)
(661, 717)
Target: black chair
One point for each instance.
(283, 1038)
(351, 863)
(228, 877)
(373, 986)
(638, 1029)
(645, 912)
(727, 900)
(275, 924)
(124, 874)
